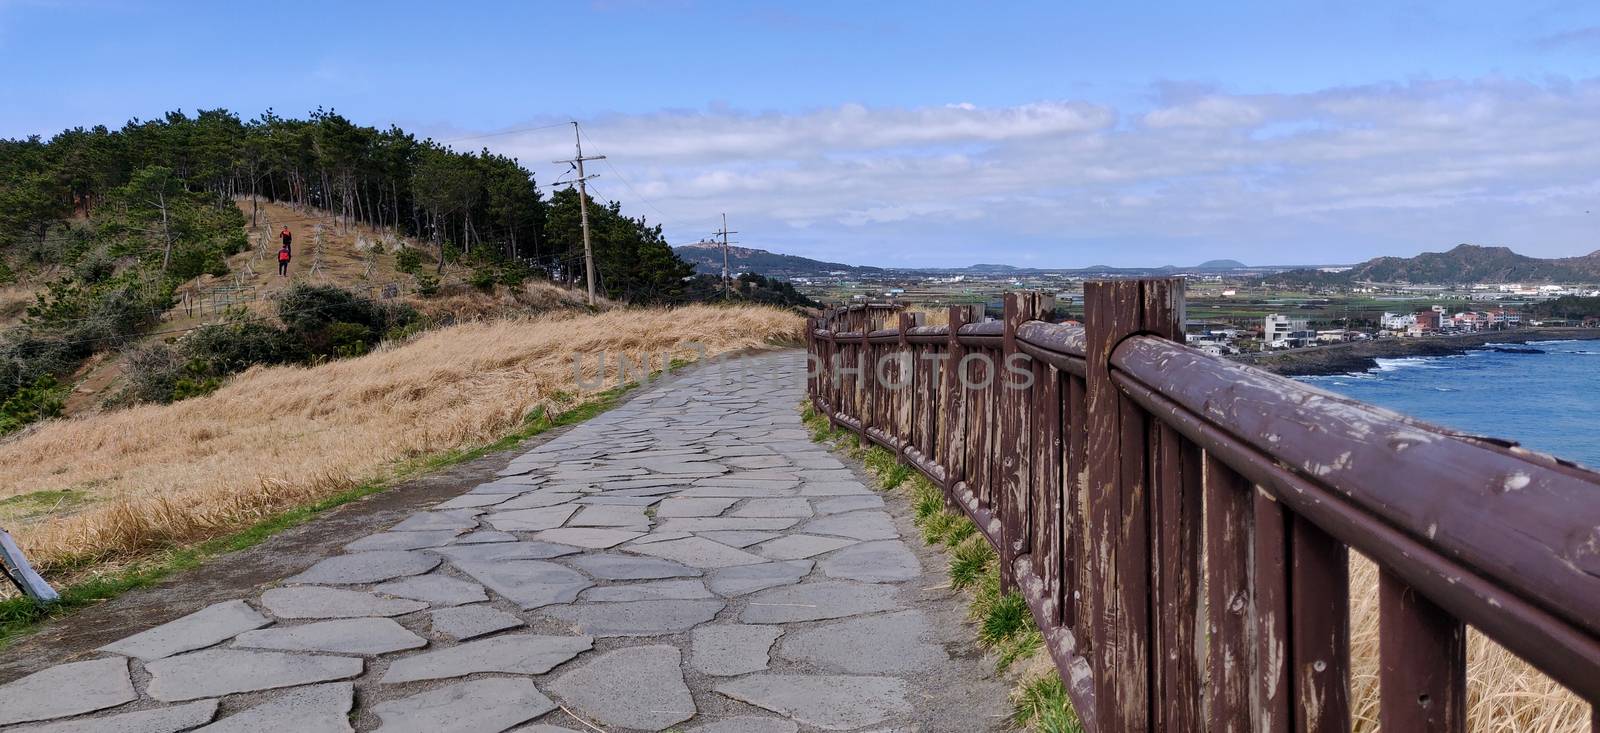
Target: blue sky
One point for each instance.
(1048, 133)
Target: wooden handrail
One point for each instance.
(1103, 462)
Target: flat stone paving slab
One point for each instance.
(485, 536)
(160, 720)
(698, 552)
(830, 702)
(512, 654)
(532, 520)
(659, 590)
(367, 567)
(528, 583)
(638, 687)
(710, 507)
(816, 601)
(469, 622)
(884, 561)
(589, 537)
(439, 590)
(494, 551)
(726, 650)
(214, 672)
(610, 515)
(536, 500)
(798, 546)
(737, 581)
(740, 538)
(884, 644)
(66, 689)
(311, 602)
(314, 709)
(493, 704)
(368, 636)
(210, 625)
(747, 724)
(842, 504)
(799, 508)
(862, 525)
(450, 519)
(403, 540)
(628, 567)
(636, 618)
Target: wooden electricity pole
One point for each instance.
(583, 207)
(724, 234)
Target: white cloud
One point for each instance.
(1333, 175)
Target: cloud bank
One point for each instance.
(1336, 175)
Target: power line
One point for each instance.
(503, 133)
(664, 217)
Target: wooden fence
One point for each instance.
(1180, 524)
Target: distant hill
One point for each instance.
(707, 258)
(1466, 263)
(1221, 265)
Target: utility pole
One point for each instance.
(724, 234)
(583, 207)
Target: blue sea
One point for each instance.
(1548, 402)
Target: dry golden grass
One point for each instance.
(272, 438)
(1504, 693)
(14, 302)
(931, 316)
(463, 303)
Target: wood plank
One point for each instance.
(1048, 491)
(1423, 652)
(1230, 637)
(1075, 568)
(1119, 520)
(1319, 627)
(1177, 516)
(1270, 576)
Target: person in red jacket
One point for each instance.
(283, 261)
(288, 239)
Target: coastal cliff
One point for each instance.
(1357, 356)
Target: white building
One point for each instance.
(1397, 321)
(1277, 327)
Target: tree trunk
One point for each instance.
(166, 257)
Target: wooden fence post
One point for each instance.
(905, 373)
(866, 381)
(954, 433)
(1120, 452)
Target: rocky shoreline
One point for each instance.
(1359, 356)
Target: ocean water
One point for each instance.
(1548, 402)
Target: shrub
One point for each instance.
(152, 373)
(228, 348)
(409, 261)
(483, 278)
(44, 398)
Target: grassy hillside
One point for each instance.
(1465, 263)
(82, 491)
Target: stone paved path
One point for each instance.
(689, 561)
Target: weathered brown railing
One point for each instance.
(1180, 524)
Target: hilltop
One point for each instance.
(1465, 263)
(707, 259)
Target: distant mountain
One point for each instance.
(1221, 265)
(1466, 263)
(707, 258)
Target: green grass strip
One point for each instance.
(1004, 624)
